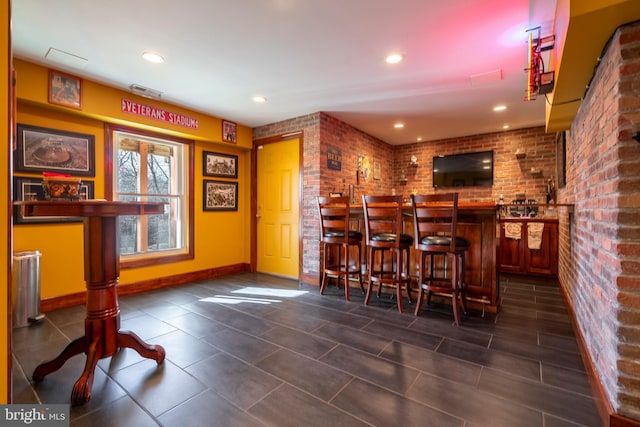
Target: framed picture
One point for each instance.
(228, 131)
(377, 173)
(41, 149)
(27, 189)
(65, 89)
(220, 165)
(220, 196)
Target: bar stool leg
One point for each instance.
(407, 260)
(455, 291)
(463, 289)
(399, 267)
(381, 271)
(420, 282)
(345, 249)
(359, 267)
(432, 262)
(323, 283)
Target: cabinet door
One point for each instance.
(512, 257)
(545, 260)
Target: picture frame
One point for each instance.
(41, 149)
(377, 172)
(28, 189)
(229, 131)
(219, 195)
(219, 165)
(65, 89)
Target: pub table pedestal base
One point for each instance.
(81, 392)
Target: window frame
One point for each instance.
(109, 153)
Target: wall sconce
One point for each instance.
(414, 161)
(520, 154)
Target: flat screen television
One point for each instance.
(463, 170)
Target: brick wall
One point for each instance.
(353, 144)
(511, 175)
(601, 272)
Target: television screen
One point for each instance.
(463, 170)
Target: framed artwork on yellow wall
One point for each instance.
(219, 165)
(219, 195)
(229, 132)
(65, 89)
(41, 149)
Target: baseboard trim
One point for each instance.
(310, 279)
(79, 298)
(616, 420)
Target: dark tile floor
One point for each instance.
(254, 350)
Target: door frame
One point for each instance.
(254, 194)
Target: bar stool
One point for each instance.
(435, 220)
(335, 233)
(384, 234)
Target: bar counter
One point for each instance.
(478, 223)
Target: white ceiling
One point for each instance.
(306, 56)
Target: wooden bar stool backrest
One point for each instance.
(435, 220)
(335, 220)
(383, 221)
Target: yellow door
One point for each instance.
(277, 210)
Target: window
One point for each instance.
(149, 167)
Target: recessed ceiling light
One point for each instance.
(394, 58)
(398, 125)
(505, 126)
(259, 99)
(153, 57)
(419, 139)
(499, 108)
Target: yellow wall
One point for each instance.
(5, 237)
(221, 238)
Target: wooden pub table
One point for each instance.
(102, 337)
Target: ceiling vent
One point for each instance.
(65, 58)
(484, 78)
(145, 91)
